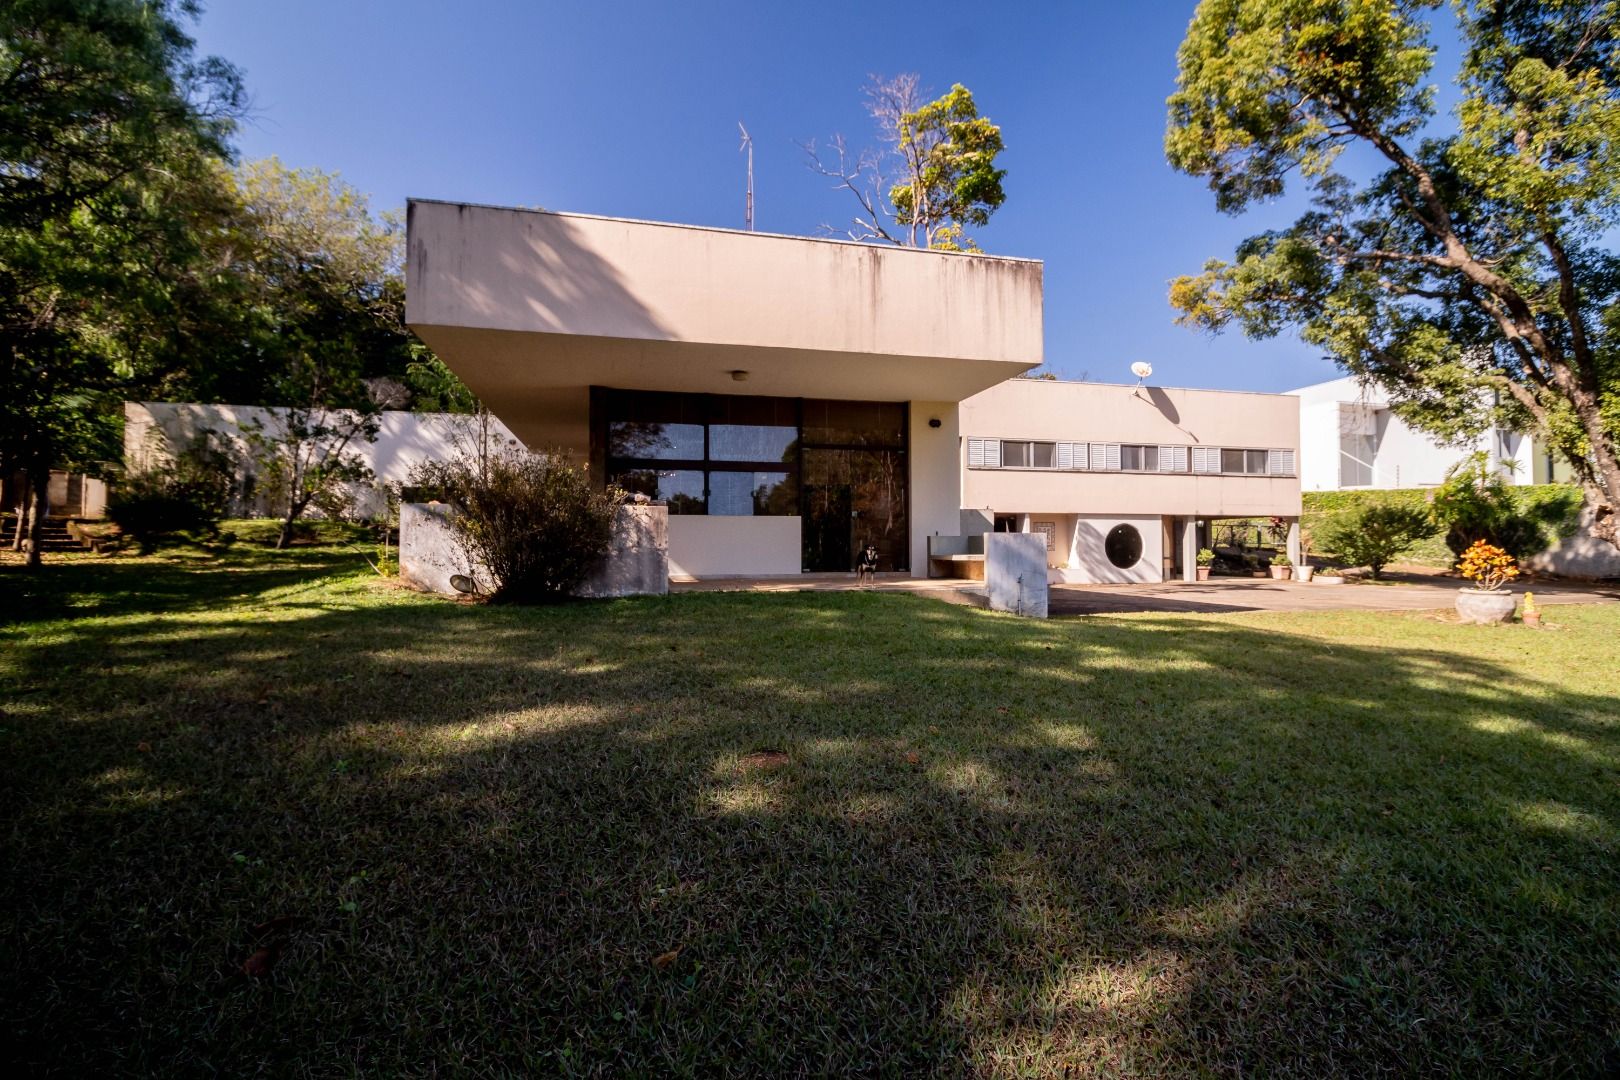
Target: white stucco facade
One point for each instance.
(1350, 438)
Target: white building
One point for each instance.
(1350, 438)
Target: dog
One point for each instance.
(866, 566)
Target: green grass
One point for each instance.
(1351, 844)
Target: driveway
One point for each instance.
(1250, 594)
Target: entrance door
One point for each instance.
(827, 545)
(853, 498)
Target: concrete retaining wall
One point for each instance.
(1015, 573)
(636, 564)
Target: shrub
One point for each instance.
(189, 493)
(1281, 559)
(532, 520)
(1476, 503)
(1376, 535)
(1206, 557)
(1487, 566)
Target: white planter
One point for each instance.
(1304, 573)
(1328, 579)
(1484, 608)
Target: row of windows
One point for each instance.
(1126, 457)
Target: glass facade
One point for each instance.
(840, 466)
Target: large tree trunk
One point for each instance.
(41, 479)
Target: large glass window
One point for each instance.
(840, 465)
(741, 494)
(662, 442)
(752, 442)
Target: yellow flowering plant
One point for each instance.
(1487, 566)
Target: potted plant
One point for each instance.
(1490, 569)
(1206, 559)
(1304, 571)
(1530, 614)
(1282, 568)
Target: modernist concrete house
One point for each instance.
(793, 400)
(1124, 481)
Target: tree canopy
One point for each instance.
(935, 174)
(1471, 273)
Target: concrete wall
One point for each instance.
(936, 477)
(154, 430)
(1088, 561)
(721, 546)
(1015, 573)
(636, 564)
(573, 274)
(1101, 412)
(637, 559)
(429, 555)
(530, 308)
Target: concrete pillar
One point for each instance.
(1293, 541)
(1189, 549)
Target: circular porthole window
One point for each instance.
(1123, 546)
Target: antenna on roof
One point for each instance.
(1141, 369)
(748, 206)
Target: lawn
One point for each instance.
(792, 833)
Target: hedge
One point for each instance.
(1323, 506)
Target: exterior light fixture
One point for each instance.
(933, 421)
(739, 375)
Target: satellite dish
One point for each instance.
(1141, 369)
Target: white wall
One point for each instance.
(936, 478)
(1088, 562)
(1403, 456)
(721, 546)
(404, 439)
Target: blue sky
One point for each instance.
(631, 109)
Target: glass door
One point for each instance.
(853, 498)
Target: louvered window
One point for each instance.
(984, 453)
(1172, 459)
(1280, 462)
(1206, 459)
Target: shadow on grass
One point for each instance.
(1146, 846)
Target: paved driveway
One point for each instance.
(1266, 595)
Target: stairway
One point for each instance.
(54, 537)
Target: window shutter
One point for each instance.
(1172, 459)
(1099, 456)
(1280, 462)
(984, 453)
(1206, 459)
(1113, 456)
(1065, 456)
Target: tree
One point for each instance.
(106, 121)
(308, 457)
(1471, 275)
(1377, 535)
(935, 175)
(1477, 503)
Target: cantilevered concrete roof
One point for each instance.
(530, 307)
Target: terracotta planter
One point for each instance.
(1531, 618)
(1484, 608)
(1203, 573)
(1304, 573)
(1281, 573)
